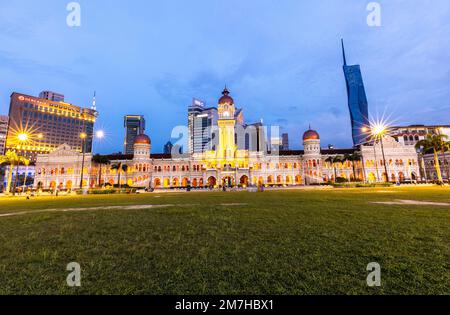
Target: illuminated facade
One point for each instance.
(47, 124)
(228, 165)
(410, 135)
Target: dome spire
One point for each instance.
(226, 98)
(225, 91)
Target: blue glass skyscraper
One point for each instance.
(357, 100)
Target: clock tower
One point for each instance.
(226, 123)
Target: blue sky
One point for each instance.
(280, 59)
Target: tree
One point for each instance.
(432, 144)
(119, 167)
(12, 159)
(100, 160)
(333, 160)
(354, 157)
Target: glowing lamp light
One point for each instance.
(100, 134)
(22, 137)
(83, 135)
(378, 129)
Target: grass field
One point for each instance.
(276, 242)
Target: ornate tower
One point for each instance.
(142, 148)
(226, 124)
(311, 142)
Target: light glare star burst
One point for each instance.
(378, 127)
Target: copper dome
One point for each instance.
(226, 99)
(142, 139)
(311, 135)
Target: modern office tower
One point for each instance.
(255, 137)
(3, 132)
(134, 126)
(52, 96)
(38, 125)
(357, 100)
(168, 148)
(201, 121)
(285, 142)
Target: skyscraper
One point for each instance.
(3, 132)
(357, 100)
(200, 126)
(168, 148)
(134, 126)
(285, 142)
(46, 124)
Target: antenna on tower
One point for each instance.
(94, 106)
(343, 52)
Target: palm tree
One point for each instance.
(100, 160)
(354, 157)
(12, 159)
(433, 143)
(333, 160)
(119, 167)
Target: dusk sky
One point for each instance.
(281, 60)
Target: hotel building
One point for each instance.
(48, 124)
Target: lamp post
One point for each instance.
(83, 136)
(369, 129)
(22, 138)
(377, 131)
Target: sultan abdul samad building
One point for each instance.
(227, 163)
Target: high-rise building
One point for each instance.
(134, 126)
(357, 100)
(284, 142)
(52, 96)
(201, 121)
(3, 132)
(38, 125)
(255, 138)
(168, 148)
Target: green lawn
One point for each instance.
(276, 242)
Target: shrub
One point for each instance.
(341, 180)
(361, 185)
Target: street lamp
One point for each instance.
(83, 136)
(378, 131)
(22, 138)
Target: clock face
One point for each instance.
(226, 114)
